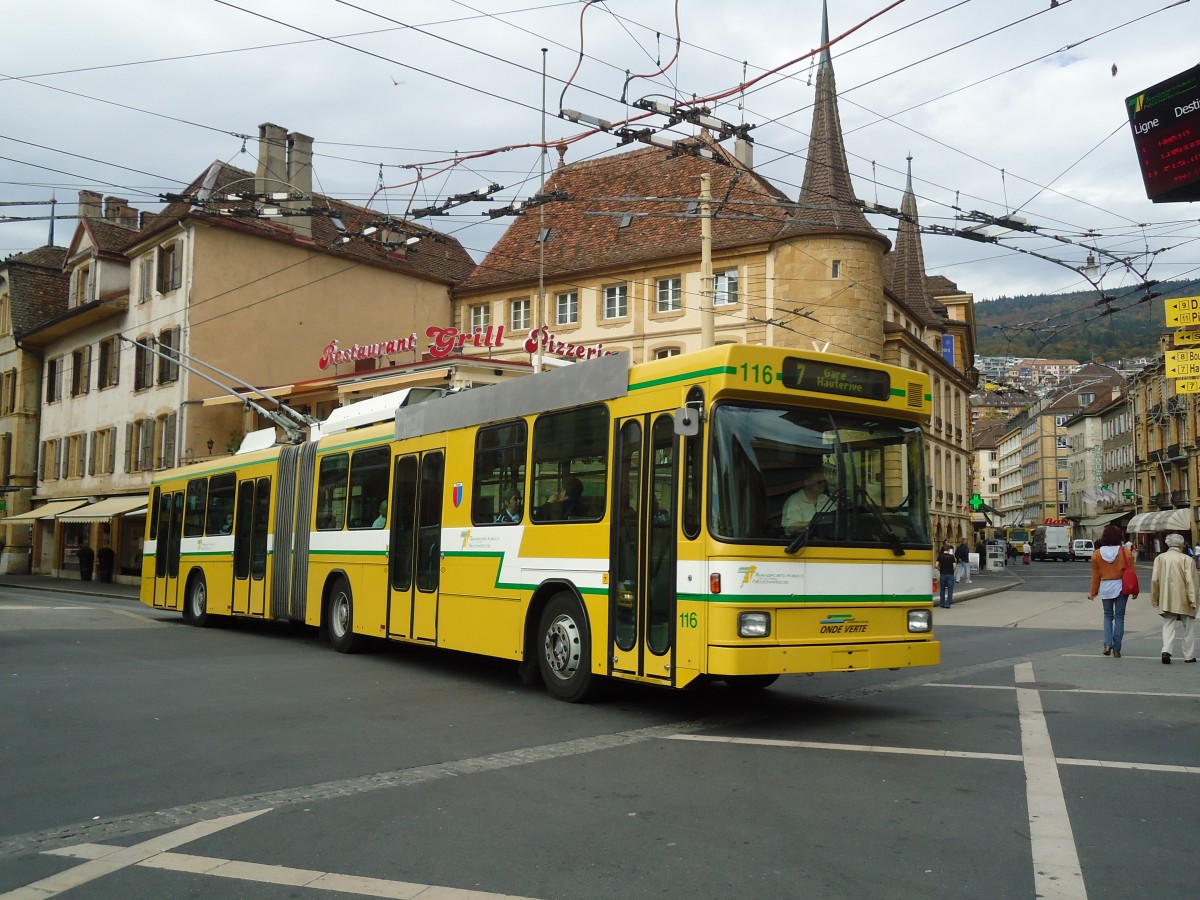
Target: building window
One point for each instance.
(835, 269)
(81, 371)
(5, 312)
(54, 369)
(83, 286)
(145, 278)
(168, 345)
(616, 301)
(481, 316)
(164, 443)
(170, 268)
(103, 455)
(519, 314)
(567, 308)
(108, 372)
(76, 453)
(725, 287)
(8, 393)
(143, 364)
(51, 464)
(669, 293)
(666, 352)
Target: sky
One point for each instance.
(1005, 106)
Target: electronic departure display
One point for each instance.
(831, 378)
(1165, 120)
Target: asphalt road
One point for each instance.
(146, 759)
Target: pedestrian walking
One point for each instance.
(1026, 552)
(1173, 592)
(962, 557)
(945, 564)
(1109, 562)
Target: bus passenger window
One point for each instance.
(570, 466)
(331, 492)
(500, 454)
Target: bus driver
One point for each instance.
(811, 499)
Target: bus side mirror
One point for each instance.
(687, 422)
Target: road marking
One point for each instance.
(853, 748)
(1189, 695)
(1057, 874)
(123, 857)
(262, 873)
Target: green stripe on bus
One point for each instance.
(810, 600)
(686, 376)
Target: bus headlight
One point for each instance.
(754, 624)
(920, 620)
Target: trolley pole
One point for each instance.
(707, 338)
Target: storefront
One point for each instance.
(1149, 530)
(113, 529)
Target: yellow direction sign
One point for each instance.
(1182, 311)
(1187, 386)
(1183, 363)
(1187, 338)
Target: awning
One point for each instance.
(1163, 520)
(106, 509)
(48, 511)
(1105, 519)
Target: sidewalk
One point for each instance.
(984, 582)
(91, 588)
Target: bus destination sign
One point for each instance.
(832, 378)
(1165, 120)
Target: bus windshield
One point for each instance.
(802, 477)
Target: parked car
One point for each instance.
(1052, 542)
(1081, 548)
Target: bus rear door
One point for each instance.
(415, 545)
(250, 547)
(643, 548)
(166, 558)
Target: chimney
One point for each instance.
(118, 211)
(743, 151)
(299, 173)
(89, 205)
(271, 176)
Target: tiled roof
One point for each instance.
(436, 257)
(634, 207)
(109, 238)
(940, 286)
(37, 287)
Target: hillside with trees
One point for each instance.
(1074, 326)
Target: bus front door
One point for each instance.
(166, 554)
(642, 548)
(415, 546)
(250, 547)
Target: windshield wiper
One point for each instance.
(831, 508)
(877, 514)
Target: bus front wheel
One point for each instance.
(195, 603)
(340, 618)
(564, 651)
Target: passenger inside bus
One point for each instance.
(512, 510)
(381, 521)
(564, 504)
(812, 498)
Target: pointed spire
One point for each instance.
(908, 267)
(827, 198)
(826, 60)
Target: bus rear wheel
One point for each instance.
(195, 602)
(339, 618)
(564, 651)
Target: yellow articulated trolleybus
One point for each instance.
(736, 513)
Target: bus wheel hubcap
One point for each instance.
(341, 615)
(562, 647)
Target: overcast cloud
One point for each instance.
(134, 98)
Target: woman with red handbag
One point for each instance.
(1114, 579)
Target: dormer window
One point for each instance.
(83, 286)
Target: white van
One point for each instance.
(1081, 548)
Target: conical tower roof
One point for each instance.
(906, 268)
(827, 201)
